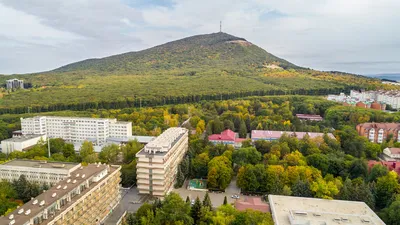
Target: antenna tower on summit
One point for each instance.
(220, 26)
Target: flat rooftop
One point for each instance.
(58, 191)
(287, 210)
(163, 143)
(23, 138)
(40, 164)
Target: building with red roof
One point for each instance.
(392, 166)
(253, 203)
(378, 132)
(271, 135)
(227, 137)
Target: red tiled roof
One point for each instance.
(226, 135)
(394, 150)
(252, 203)
(390, 126)
(392, 166)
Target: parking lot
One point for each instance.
(217, 199)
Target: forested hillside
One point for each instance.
(204, 67)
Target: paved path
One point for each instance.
(128, 196)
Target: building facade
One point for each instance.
(310, 117)
(379, 132)
(271, 135)
(227, 137)
(14, 84)
(75, 129)
(86, 197)
(157, 163)
(37, 171)
(21, 143)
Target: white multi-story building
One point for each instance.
(158, 161)
(14, 84)
(21, 143)
(88, 196)
(37, 171)
(76, 129)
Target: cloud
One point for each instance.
(327, 34)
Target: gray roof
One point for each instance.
(40, 164)
(23, 138)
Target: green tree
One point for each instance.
(319, 161)
(358, 168)
(242, 129)
(180, 178)
(391, 214)
(225, 201)
(130, 149)
(142, 211)
(173, 211)
(195, 211)
(377, 171)
(109, 154)
(301, 188)
(219, 172)
(386, 187)
(244, 156)
(87, 152)
(207, 201)
(199, 165)
(68, 150)
(128, 174)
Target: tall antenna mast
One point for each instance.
(220, 26)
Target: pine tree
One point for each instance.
(225, 201)
(195, 212)
(207, 201)
(187, 199)
(180, 178)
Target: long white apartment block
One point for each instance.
(37, 171)
(77, 129)
(158, 161)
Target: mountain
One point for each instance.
(203, 67)
(196, 52)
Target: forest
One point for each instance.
(311, 167)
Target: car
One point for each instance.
(235, 196)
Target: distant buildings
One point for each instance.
(379, 132)
(270, 135)
(21, 143)
(75, 129)
(86, 197)
(37, 171)
(309, 117)
(15, 84)
(391, 166)
(253, 203)
(227, 137)
(157, 163)
(391, 154)
(287, 210)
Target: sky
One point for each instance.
(356, 36)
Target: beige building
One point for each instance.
(287, 210)
(158, 161)
(391, 154)
(37, 171)
(86, 197)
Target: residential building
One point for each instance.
(14, 84)
(287, 210)
(390, 165)
(86, 197)
(76, 129)
(37, 171)
(270, 135)
(157, 163)
(310, 117)
(378, 132)
(391, 154)
(227, 137)
(254, 203)
(21, 143)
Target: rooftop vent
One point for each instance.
(59, 186)
(43, 161)
(11, 217)
(316, 214)
(54, 195)
(98, 165)
(365, 220)
(77, 175)
(42, 203)
(83, 175)
(12, 222)
(81, 168)
(74, 181)
(69, 180)
(20, 211)
(300, 213)
(35, 202)
(65, 187)
(28, 212)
